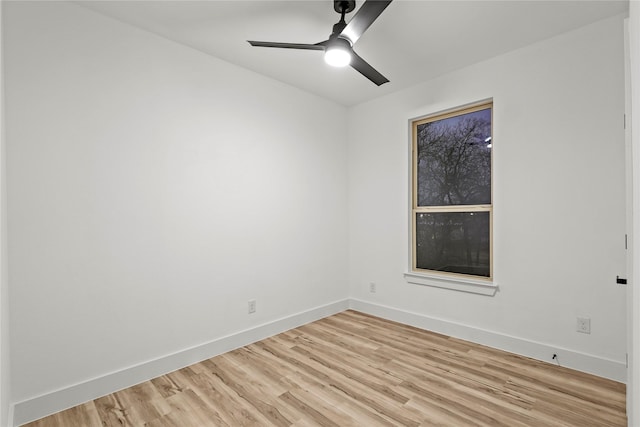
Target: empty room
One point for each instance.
(204, 221)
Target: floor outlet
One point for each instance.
(583, 325)
(252, 306)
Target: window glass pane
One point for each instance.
(455, 242)
(454, 160)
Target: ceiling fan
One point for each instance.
(339, 47)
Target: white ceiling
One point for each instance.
(412, 41)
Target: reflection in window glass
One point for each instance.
(454, 160)
(453, 242)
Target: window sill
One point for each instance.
(473, 286)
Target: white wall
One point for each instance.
(5, 379)
(559, 200)
(152, 191)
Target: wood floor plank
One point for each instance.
(358, 413)
(111, 411)
(233, 409)
(453, 389)
(353, 369)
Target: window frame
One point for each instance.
(458, 281)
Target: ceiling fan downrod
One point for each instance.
(342, 7)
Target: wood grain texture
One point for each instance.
(352, 369)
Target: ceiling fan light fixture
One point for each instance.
(338, 48)
(338, 53)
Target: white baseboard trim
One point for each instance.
(10, 416)
(50, 403)
(614, 370)
(35, 408)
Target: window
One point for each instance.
(451, 203)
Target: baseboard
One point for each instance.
(50, 403)
(10, 416)
(606, 368)
(41, 406)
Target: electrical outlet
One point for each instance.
(583, 325)
(252, 306)
(372, 288)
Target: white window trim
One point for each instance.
(454, 282)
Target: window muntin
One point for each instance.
(451, 201)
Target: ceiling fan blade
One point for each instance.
(363, 18)
(287, 45)
(367, 70)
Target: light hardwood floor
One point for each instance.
(353, 369)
